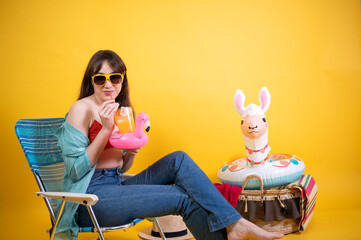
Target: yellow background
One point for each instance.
(185, 60)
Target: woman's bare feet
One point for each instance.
(243, 229)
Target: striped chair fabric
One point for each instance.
(38, 142)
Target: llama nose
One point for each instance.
(250, 127)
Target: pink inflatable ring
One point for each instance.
(135, 139)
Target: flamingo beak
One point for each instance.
(147, 126)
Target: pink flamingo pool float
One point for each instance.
(135, 139)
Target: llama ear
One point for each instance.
(264, 98)
(238, 101)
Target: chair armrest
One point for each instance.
(127, 176)
(81, 198)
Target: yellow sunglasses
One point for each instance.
(101, 79)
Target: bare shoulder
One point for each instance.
(80, 115)
(80, 106)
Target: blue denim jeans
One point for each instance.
(174, 185)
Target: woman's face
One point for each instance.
(107, 91)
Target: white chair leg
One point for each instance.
(95, 222)
(160, 229)
(57, 220)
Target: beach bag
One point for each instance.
(275, 210)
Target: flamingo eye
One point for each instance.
(264, 119)
(242, 122)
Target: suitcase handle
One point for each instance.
(249, 177)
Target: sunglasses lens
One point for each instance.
(99, 80)
(116, 79)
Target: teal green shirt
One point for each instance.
(77, 175)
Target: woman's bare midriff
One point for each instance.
(110, 158)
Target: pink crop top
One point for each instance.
(93, 132)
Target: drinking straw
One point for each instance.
(118, 108)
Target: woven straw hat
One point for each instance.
(173, 227)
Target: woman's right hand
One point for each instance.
(106, 113)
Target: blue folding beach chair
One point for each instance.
(39, 144)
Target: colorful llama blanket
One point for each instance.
(308, 189)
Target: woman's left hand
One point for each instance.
(132, 151)
(129, 158)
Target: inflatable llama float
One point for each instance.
(254, 126)
(273, 169)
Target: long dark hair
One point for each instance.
(94, 65)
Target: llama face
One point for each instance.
(254, 126)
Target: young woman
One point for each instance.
(174, 185)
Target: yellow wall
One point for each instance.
(185, 60)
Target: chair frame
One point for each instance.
(84, 199)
